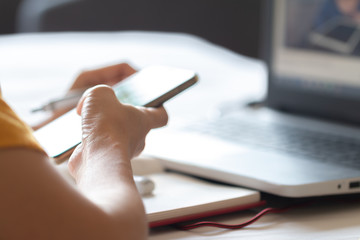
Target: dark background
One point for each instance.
(234, 24)
(7, 15)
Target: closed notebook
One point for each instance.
(179, 197)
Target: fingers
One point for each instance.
(98, 91)
(112, 74)
(108, 75)
(118, 71)
(155, 117)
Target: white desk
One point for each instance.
(35, 68)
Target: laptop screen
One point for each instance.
(315, 53)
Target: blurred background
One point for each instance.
(234, 24)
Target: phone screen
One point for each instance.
(150, 87)
(154, 85)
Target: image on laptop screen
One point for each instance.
(316, 46)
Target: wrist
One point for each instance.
(102, 164)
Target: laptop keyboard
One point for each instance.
(309, 144)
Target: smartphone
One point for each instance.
(150, 87)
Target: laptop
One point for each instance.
(303, 140)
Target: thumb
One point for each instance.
(89, 92)
(158, 117)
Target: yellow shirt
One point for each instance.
(13, 131)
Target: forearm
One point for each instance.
(106, 178)
(122, 204)
(110, 185)
(36, 201)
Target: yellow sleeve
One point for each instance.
(13, 131)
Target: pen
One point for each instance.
(69, 100)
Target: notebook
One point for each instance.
(303, 140)
(178, 197)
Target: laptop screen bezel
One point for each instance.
(296, 100)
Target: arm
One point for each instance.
(37, 203)
(101, 163)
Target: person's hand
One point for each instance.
(113, 133)
(108, 75)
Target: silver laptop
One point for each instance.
(304, 138)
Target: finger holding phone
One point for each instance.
(118, 127)
(109, 75)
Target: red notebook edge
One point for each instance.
(205, 214)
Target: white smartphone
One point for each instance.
(150, 87)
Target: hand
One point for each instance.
(113, 133)
(108, 75)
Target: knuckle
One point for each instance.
(101, 90)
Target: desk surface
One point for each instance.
(37, 67)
